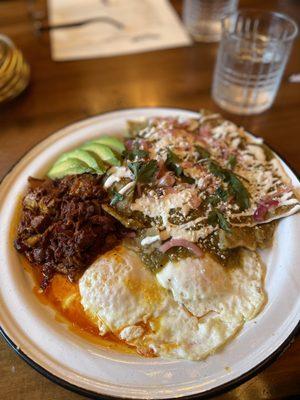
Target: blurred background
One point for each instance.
(67, 60)
(61, 92)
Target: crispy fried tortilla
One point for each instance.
(211, 180)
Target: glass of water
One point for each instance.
(202, 18)
(252, 55)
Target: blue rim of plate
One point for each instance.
(218, 390)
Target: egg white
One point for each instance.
(188, 311)
(202, 285)
(119, 292)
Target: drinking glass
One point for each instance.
(252, 55)
(202, 18)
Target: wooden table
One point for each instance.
(61, 93)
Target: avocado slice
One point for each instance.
(112, 142)
(71, 166)
(86, 157)
(102, 151)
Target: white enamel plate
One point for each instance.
(51, 348)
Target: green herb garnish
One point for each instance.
(177, 169)
(215, 217)
(172, 163)
(232, 161)
(203, 154)
(172, 157)
(222, 193)
(213, 200)
(219, 195)
(187, 179)
(239, 192)
(116, 198)
(235, 186)
(217, 170)
(135, 153)
(143, 172)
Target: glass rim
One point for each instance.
(279, 15)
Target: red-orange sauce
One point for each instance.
(70, 311)
(72, 314)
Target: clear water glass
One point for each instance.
(202, 18)
(252, 56)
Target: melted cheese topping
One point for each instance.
(155, 206)
(264, 179)
(160, 208)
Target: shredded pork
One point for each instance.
(63, 226)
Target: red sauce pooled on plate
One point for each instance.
(63, 296)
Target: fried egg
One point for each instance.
(119, 292)
(190, 309)
(202, 285)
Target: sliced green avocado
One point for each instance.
(86, 157)
(71, 166)
(102, 151)
(112, 142)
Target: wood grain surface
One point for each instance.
(62, 93)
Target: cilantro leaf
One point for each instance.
(235, 187)
(232, 161)
(239, 192)
(172, 163)
(212, 218)
(177, 169)
(143, 171)
(140, 153)
(223, 223)
(135, 153)
(217, 170)
(116, 198)
(202, 152)
(172, 157)
(213, 200)
(222, 193)
(219, 195)
(215, 217)
(187, 179)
